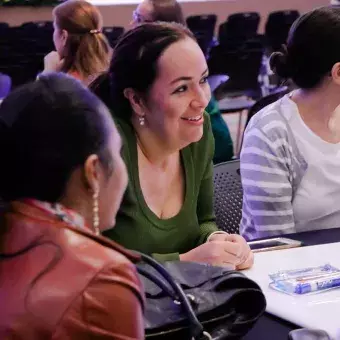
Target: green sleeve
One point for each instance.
(166, 257)
(205, 210)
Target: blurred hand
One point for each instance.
(52, 62)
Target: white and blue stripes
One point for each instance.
(271, 170)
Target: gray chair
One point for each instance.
(228, 196)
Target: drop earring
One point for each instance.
(96, 212)
(141, 120)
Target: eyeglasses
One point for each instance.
(138, 18)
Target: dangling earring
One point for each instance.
(96, 212)
(141, 120)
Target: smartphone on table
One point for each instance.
(273, 244)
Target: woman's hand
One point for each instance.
(218, 253)
(222, 250)
(247, 256)
(52, 62)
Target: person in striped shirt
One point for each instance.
(290, 160)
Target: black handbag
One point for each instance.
(186, 300)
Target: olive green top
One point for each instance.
(138, 228)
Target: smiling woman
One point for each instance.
(158, 98)
(171, 11)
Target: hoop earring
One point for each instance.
(141, 120)
(96, 212)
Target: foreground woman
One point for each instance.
(61, 165)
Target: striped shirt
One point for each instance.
(272, 168)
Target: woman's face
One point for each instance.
(143, 13)
(178, 97)
(113, 186)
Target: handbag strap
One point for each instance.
(158, 282)
(196, 328)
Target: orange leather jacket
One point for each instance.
(60, 282)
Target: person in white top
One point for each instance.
(290, 160)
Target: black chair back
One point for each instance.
(113, 34)
(228, 196)
(242, 66)
(37, 28)
(239, 27)
(277, 28)
(265, 101)
(202, 23)
(4, 27)
(204, 42)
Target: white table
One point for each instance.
(321, 311)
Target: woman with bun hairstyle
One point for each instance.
(290, 161)
(82, 50)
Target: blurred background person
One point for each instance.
(82, 50)
(158, 10)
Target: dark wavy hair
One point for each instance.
(313, 47)
(48, 128)
(135, 63)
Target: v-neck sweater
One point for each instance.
(138, 228)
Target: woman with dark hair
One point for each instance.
(63, 178)
(82, 50)
(158, 99)
(290, 159)
(171, 11)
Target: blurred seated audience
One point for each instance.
(82, 50)
(5, 85)
(63, 179)
(290, 160)
(171, 11)
(158, 100)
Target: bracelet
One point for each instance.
(215, 233)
